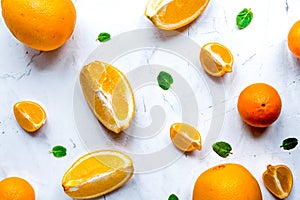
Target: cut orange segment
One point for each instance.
(170, 15)
(216, 59)
(278, 180)
(96, 174)
(29, 115)
(109, 95)
(185, 137)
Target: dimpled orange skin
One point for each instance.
(15, 188)
(259, 105)
(294, 39)
(40, 24)
(227, 182)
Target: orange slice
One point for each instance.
(216, 59)
(109, 95)
(185, 137)
(96, 174)
(29, 115)
(170, 15)
(278, 180)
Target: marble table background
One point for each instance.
(261, 55)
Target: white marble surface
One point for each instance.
(261, 55)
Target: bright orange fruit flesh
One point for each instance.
(170, 15)
(30, 115)
(185, 137)
(97, 173)
(278, 180)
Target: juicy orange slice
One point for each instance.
(96, 174)
(174, 14)
(185, 137)
(216, 59)
(109, 95)
(29, 115)
(278, 180)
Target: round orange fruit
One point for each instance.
(259, 105)
(15, 188)
(39, 24)
(294, 39)
(227, 182)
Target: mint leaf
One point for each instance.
(164, 80)
(289, 143)
(103, 37)
(173, 197)
(223, 149)
(59, 151)
(244, 18)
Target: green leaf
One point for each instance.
(173, 197)
(243, 19)
(59, 151)
(223, 149)
(289, 143)
(103, 37)
(164, 80)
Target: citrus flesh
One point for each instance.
(185, 137)
(278, 180)
(216, 59)
(97, 173)
(108, 94)
(30, 115)
(170, 15)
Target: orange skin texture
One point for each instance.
(226, 182)
(15, 188)
(40, 24)
(294, 39)
(259, 105)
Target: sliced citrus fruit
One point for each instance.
(96, 174)
(278, 180)
(170, 15)
(109, 95)
(185, 137)
(29, 115)
(216, 59)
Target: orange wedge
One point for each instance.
(29, 115)
(109, 95)
(278, 180)
(96, 174)
(216, 59)
(185, 137)
(170, 15)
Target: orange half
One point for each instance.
(29, 115)
(170, 15)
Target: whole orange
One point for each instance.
(14, 188)
(294, 39)
(40, 24)
(226, 182)
(259, 105)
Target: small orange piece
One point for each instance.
(278, 180)
(226, 182)
(185, 137)
(39, 24)
(97, 173)
(216, 59)
(109, 95)
(170, 15)
(259, 105)
(293, 39)
(30, 115)
(15, 188)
